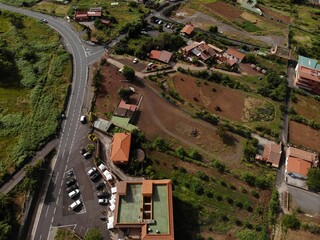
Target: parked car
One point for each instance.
(100, 185)
(73, 187)
(103, 194)
(103, 201)
(136, 60)
(95, 176)
(70, 173)
(91, 171)
(75, 204)
(83, 119)
(44, 20)
(103, 218)
(87, 155)
(150, 64)
(74, 193)
(70, 182)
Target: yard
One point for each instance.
(304, 136)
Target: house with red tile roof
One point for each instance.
(187, 29)
(201, 50)
(233, 53)
(162, 56)
(298, 162)
(144, 209)
(93, 13)
(271, 154)
(120, 150)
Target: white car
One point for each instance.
(91, 171)
(74, 193)
(75, 204)
(136, 60)
(103, 201)
(83, 119)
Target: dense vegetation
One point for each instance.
(313, 181)
(35, 74)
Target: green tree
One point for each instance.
(194, 154)
(251, 58)
(125, 93)
(213, 29)
(160, 144)
(313, 180)
(128, 73)
(5, 230)
(180, 152)
(93, 234)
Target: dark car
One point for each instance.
(103, 195)
(73, 187)
(70, 182)
(95, 176)
(100, 185)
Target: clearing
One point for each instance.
(307, 107)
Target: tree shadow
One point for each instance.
(229, 140)
(186, 220)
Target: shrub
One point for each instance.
(202, 176)
(290, 221)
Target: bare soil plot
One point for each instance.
(302, 135)
(225, 10)
(307, 107)
(277, 16)
(157, 117)
(231, 102)
(301, 235)
(246, 69)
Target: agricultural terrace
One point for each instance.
(304, 136)
(211, 202)
(307, 106)
(33, 86)
(231, 14)
(251, 110)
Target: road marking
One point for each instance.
(54, 211)
(52, 220)
(65, 226)
(57, 200)
(65, 169)
(47, 211)
(40, 237)
(55, 181)
(59, 191)
(86, 231)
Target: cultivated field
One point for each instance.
(301, 235)
(307, 107)
(305, 136)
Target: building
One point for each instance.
(271, 154)
(144, 209)
(92, 14)
(162, 56)
(298, 162)
(81, 16)
(307, 74)
(125, 110)
(187, 29)
(120, 150)
(102, 125)
(232, 53)
(201, 50)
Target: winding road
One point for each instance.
(52, 209)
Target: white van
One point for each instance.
(75, 204)
(83, 119)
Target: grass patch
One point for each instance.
(248, 26)
(33, 90)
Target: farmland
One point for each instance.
(308, 107)
(32, 90)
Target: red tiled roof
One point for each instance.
(309, 73)
(125, 105)
(81, 14)
(120, 148)
(297, 165)
(163, 56)
(231, 62)
(188, 29)
(105, 21)
(235, 53)
(272, 154)
(94, 14)
(190, 47)
(298, 153)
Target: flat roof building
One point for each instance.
(145, 209)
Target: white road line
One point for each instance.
(47, 211)
(59, 192)
(86, 231)
(64, 226)
(55, 181)
(57, 200)
(54, 211)
(40, 237)
(65, 169)
(52, 220)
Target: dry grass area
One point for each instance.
(301, 235)
(211, 96)
(305, 136)
(307, 107)
(52, 8)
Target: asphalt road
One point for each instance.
(53, 210)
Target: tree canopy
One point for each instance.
(93, 234)
(313, 181)
(128, 73)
